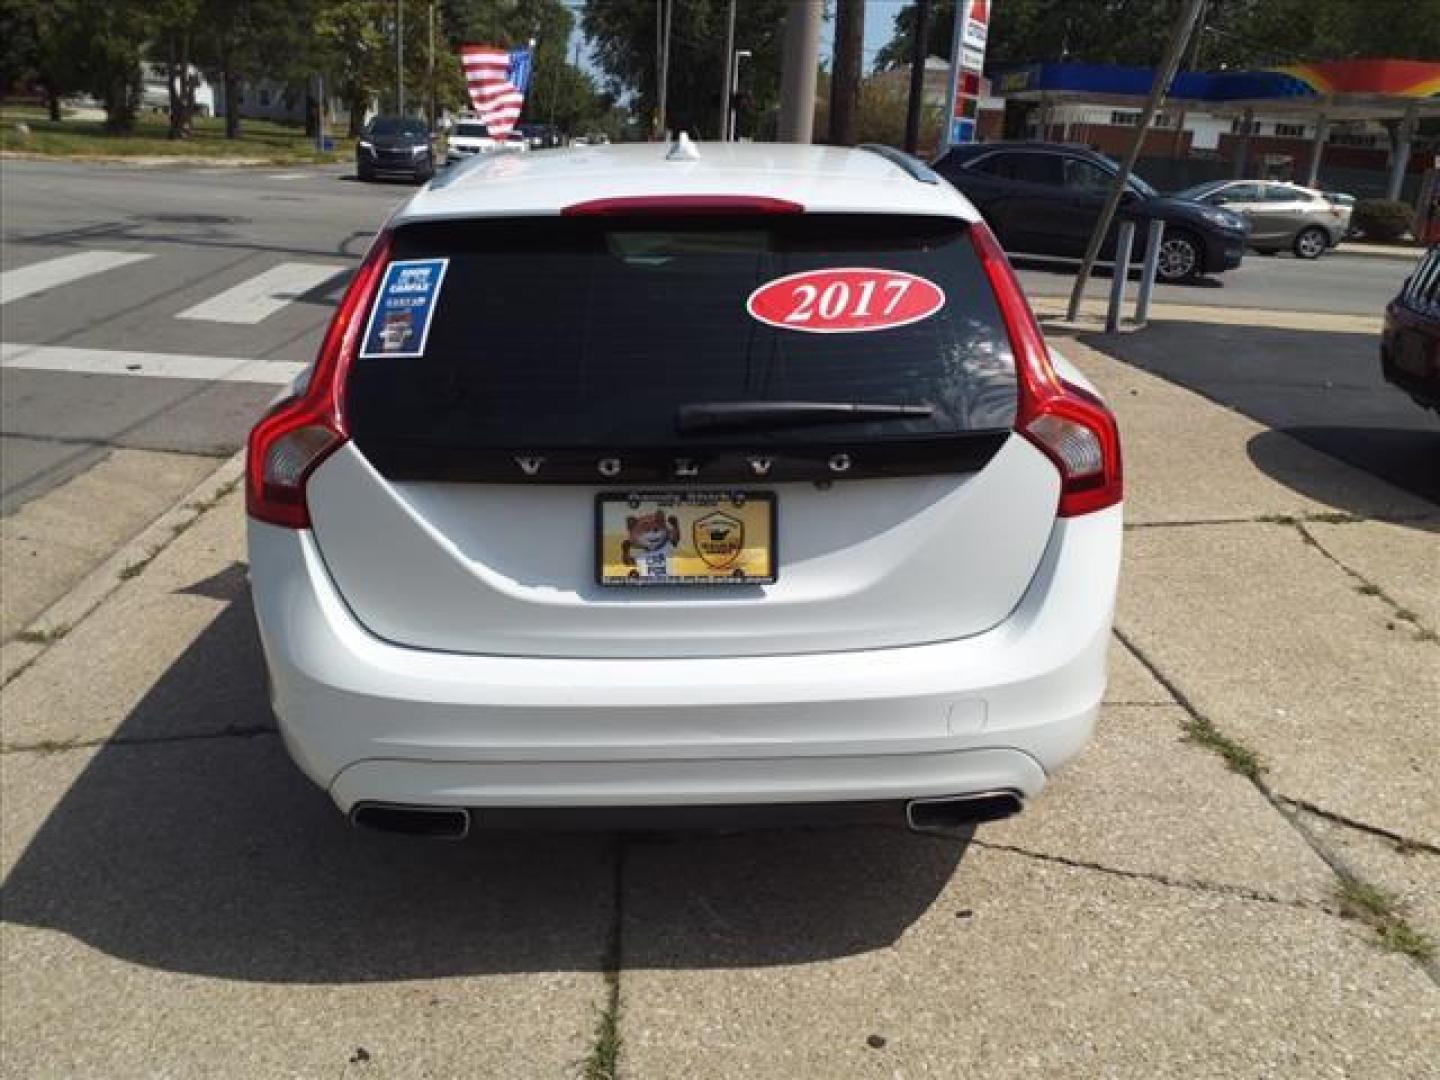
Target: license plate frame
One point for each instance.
(756, 561)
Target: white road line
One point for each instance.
(37, 277)
(122, 362)
(262, 295)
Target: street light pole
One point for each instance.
(727, 79)
(732, 117)
(665, 11)
(400, 57)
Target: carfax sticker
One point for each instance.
(400, 320)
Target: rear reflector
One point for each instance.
(297, 434)
(688, 205)
(1071, 426)
(1075, 445)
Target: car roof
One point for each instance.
(823, 179)
(1270, 183)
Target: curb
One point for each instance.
(1052, 309)
(1379, 251)
(97, 586)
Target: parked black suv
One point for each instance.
(1045, 198)
(395, 146)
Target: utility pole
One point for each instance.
(797, 73)
(732, 121)
(1179, 34)
(727, 75)
(845, 83)
(430, 72)
(664, 64)
(919, 50)
(399, 57)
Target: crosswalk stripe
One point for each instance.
(262, 295)
(37, 277)
(231, 369)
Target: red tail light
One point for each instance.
(297, 434)
(1071, 426)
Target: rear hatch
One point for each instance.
(564, 359)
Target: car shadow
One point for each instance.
(1405, 453)
(1322, 388)
(190, 843)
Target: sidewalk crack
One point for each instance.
(603, 1060)
(1366, 587)
(60, 746)
(1345, 874)
(1400, 840)
(1170, 881)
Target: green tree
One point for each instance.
(22, 62)
(174, 23)
(243, 40)
(96, 46)
(352, 34)
(623, 41)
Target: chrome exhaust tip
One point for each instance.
(956, 815)
(434, 822)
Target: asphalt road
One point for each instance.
(116, 273)
(1337, 283)
(202, 232)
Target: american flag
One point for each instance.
(497, 79)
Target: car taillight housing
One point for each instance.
(298, 433)
(1071, 426)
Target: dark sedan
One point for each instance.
(1410, 342)
(395, 146)
(1046, 198)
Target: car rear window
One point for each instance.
(587, 332)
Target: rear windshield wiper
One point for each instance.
(703, 416)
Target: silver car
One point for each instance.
(1281, 216)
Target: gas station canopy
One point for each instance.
(1324, 91)
(1338, 89)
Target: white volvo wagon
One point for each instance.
(685, 480)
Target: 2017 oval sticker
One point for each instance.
(845, 300)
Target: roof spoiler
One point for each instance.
(912, 166)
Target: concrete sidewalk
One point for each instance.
(1231, 882)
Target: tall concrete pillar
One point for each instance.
(1242, 152)
(798, 70)
(1401, 160)
(1317, 150)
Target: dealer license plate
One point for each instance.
(685, 538)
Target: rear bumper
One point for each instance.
(369, 720)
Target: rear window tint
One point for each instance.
(594, 332)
